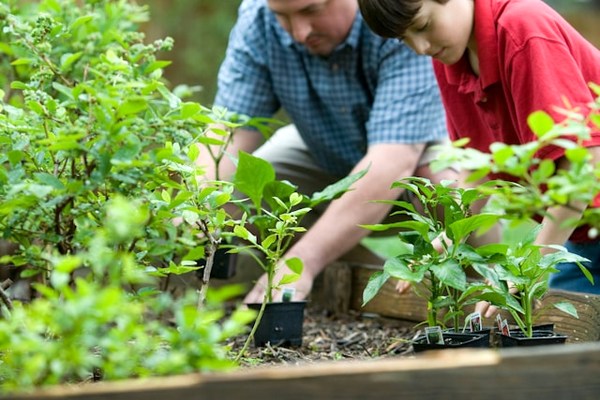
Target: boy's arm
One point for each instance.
(552, 231)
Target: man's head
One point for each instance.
(442, 29)
(319, 25)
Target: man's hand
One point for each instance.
(301, 287)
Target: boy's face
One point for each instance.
(442, 30)
(319, 25)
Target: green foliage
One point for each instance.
(275, 211)
(95, 327)
(515, 274)
(540, 184)
(437, 272)
(520, 277)
(520, 269)
(273, 218)
(200, 29)
(96, 162)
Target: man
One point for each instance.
(355, 101)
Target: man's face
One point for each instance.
(442, 31)
(319, 25)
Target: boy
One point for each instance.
(496, 62)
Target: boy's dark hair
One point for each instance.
(390, 18)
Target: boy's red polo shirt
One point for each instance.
(530, 59)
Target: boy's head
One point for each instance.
(442, 29)
(389, 18)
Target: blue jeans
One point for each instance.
(570, 276)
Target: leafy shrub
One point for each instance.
(96, 161)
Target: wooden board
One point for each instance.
(549, 372)
(351, 280)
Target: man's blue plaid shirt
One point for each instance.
(369, 90)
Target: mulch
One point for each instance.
(327, 337)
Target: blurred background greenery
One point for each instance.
(201, 29)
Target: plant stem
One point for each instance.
(528, 307)
(261, 311)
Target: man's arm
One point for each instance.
(337, 230)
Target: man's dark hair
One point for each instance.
(389, 18)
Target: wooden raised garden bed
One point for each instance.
(549, 372)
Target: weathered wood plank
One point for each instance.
(388, 302)
(410, 307)
(332, 289)
(583, 329)
(549, 372)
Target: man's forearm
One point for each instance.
(337, 230)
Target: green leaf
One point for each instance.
(132, 106)
(268, 241)
(595, 118)
(545, 170)
(189, 109)
(22, 61)
(36, 107)
(195, 253)
(567, 307)
(68, 59)
(153, 66)
(50, 180)
(540, 123)
(399, 268)
(287, 279)
(80, 21)
(244, 233)
(252, 175)
(336, 189)
(295, 265)
(482, 222)
(450, 273)
(18, 85)
(577, 154)
(376, 282)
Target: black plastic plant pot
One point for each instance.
(281, 324)
(486, 332)
(539, 338)
(223, 265)
(453, 341)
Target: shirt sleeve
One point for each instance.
(544, 74)
(407, 107)
(244, 80)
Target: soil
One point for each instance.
(329, 337)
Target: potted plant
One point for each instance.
(518, 280)
(437, 272)
(272, 216)
(520, 270)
